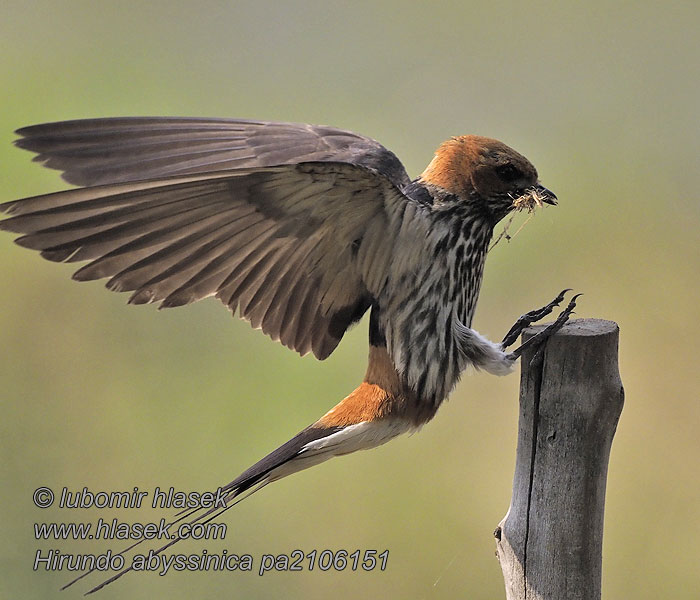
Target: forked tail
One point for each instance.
(365, 419)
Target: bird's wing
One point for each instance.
(300, 250)
(101, 151)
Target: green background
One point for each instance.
(601, 96)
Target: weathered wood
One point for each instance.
(550, 542)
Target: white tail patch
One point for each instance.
(360, 436)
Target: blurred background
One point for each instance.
(601, 96)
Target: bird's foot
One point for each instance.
(531, 317)
(547, 332)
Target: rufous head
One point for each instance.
(472, 166)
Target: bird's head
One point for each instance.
(486, 171)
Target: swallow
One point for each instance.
(301, 230)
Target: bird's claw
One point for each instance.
(531, 317)
(550, 330)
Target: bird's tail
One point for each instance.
(340, 431)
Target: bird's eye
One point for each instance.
(508, 172)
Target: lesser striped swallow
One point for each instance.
(301, 229)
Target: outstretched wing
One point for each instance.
(301, 249)
(100, 151)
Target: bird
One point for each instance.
(301, 230)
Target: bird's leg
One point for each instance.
(547, 332)
(529, 318)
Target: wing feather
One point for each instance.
(299, 250)
(99, 151)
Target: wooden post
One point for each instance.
(550, 542)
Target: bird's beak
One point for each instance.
(546, 196)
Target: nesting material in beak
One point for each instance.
(534, 197)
